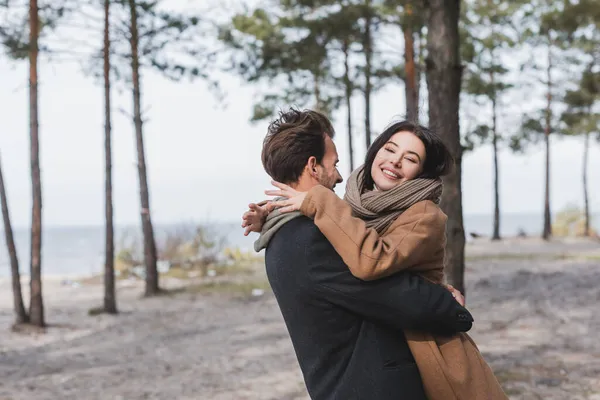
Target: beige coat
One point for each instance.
(450, 367)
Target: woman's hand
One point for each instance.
(294, 197)
(254, 219)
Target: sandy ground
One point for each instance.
(536, 321)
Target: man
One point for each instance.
(347, 334)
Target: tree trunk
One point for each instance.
(444, 72)
(20, 313)
(110, 302)
(586, 150)
(36, 305)
(420, 64)
(348, 86)
(410, 70)
(368, 49)
(496, 233)
(317, 90)
(152, 287)
(547, 231)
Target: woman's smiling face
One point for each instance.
(399, 160)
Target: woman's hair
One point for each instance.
(438, 159)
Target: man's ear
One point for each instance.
(312, 166)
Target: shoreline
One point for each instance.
(532, 247)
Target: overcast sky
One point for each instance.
(204, 159)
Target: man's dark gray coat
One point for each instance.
(347, 333)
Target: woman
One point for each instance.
(390, 221)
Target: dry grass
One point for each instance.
(239, 288)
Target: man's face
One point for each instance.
(327, 172)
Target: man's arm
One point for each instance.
(403, 300)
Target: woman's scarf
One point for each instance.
(379, 209)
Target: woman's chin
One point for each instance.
(384, 183)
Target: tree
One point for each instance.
(581, 22)
(444, 73)
(24, 44)
(150, 258)
(581, 119)
(349, 89)
(409, 16)
(296, 53)
(287, 51)
(144, 36)
(545, 34)
(309, 48)
(367, 42)
(411, 24)
(489, 32)
(547, 230)
(316, 53)
(20, 313)
(36, 305)
(110, 302)
(542, 29)
(345, 31)
(165, 42)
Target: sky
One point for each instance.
(203, 157)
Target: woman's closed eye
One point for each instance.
(389, 149)
(412, 160)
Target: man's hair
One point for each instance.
(291, 140)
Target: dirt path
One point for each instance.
(536, 312)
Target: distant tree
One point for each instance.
(412, 25)
(266, 51)
(367, 43)
(580, 20)
(343, 27)
(290, 55)
(20, 313)
(489, 33)
(140, 35)
(409, 16)
(36, 305)
(110, 298)
(311, 53)
(150, 258)
(582, 118)
(540, 30)
(348, 91)
(24, 44)
(166, 42)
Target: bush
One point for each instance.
(184, 248)
(570, 222)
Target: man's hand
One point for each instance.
(255, 217)
(456, 294)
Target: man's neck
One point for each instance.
(304, 185)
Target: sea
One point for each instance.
(79, 251)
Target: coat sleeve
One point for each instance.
(417, 233)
